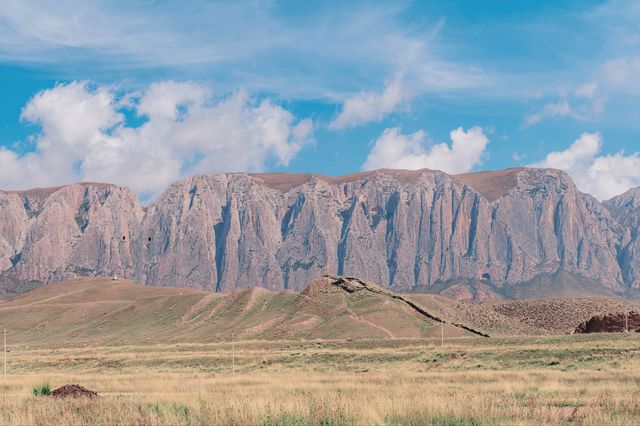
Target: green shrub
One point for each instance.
(285, 419)
(42, 390)
(183, 411)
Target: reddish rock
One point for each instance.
(610, 323)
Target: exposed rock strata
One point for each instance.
(625, 209)
(411, 229)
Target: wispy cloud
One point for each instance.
(604, 65)
(331, 53)
(586, 103)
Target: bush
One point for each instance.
(42, 390)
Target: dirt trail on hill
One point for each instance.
(351, 285)
(374, 325)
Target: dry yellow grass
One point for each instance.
(591, 380)
(157, 356)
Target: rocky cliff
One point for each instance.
(415, 230)
(56, 233)
(625, 209)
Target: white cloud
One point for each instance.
(325, 52)
(587, 90)
(85, 136)
(396, 150)
(518, 157)
(550, 110)
(585, 103)
(623, 74)
(602, 176)
(366, 107)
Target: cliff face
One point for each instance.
(57, 233)
(625, 209)
(410, 229)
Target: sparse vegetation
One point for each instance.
(592, 380)
(41, 390)
(113, 342)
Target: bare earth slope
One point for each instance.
(106, 312)
(419, 230)
(523, 317)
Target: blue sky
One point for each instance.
(144, 93)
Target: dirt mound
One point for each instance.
(611, 323)
(73, 391)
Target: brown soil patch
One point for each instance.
(493, 184)
(286, 181)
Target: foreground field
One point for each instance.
(592, 379)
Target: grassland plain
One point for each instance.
(332, 355)
(577, 379)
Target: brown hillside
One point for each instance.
(533, 316)
(492, 184)
(106, 312)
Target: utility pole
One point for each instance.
(442, 333)
(626, 322)
(5, 354)
(233, 354)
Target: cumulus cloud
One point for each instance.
(399, 151)
(366, 107)
(85, 135)
(602, 176)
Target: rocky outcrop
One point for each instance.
(611, 323)
(414, 230)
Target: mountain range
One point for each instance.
(515, 233)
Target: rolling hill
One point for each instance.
(107, 312)
(101, 311)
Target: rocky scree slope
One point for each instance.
(414, 230)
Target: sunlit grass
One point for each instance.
(559, 380)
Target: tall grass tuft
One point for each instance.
(42, 390)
